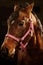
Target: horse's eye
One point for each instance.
(21, 23)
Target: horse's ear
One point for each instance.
(29, 8)
(16, 7)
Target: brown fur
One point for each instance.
(19, 31)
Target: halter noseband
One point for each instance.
(30, 30)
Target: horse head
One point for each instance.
(20, 29)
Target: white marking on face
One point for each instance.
(12, 22)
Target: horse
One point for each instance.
(23, 35)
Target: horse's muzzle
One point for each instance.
(4, 52)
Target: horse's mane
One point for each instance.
(40, 27)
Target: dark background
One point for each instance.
(6, 8)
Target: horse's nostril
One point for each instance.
(4, 51)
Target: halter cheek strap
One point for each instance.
(30, 30)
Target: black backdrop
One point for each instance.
(6, 8)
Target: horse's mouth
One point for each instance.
(7, 53)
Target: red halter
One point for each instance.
(30, 30)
